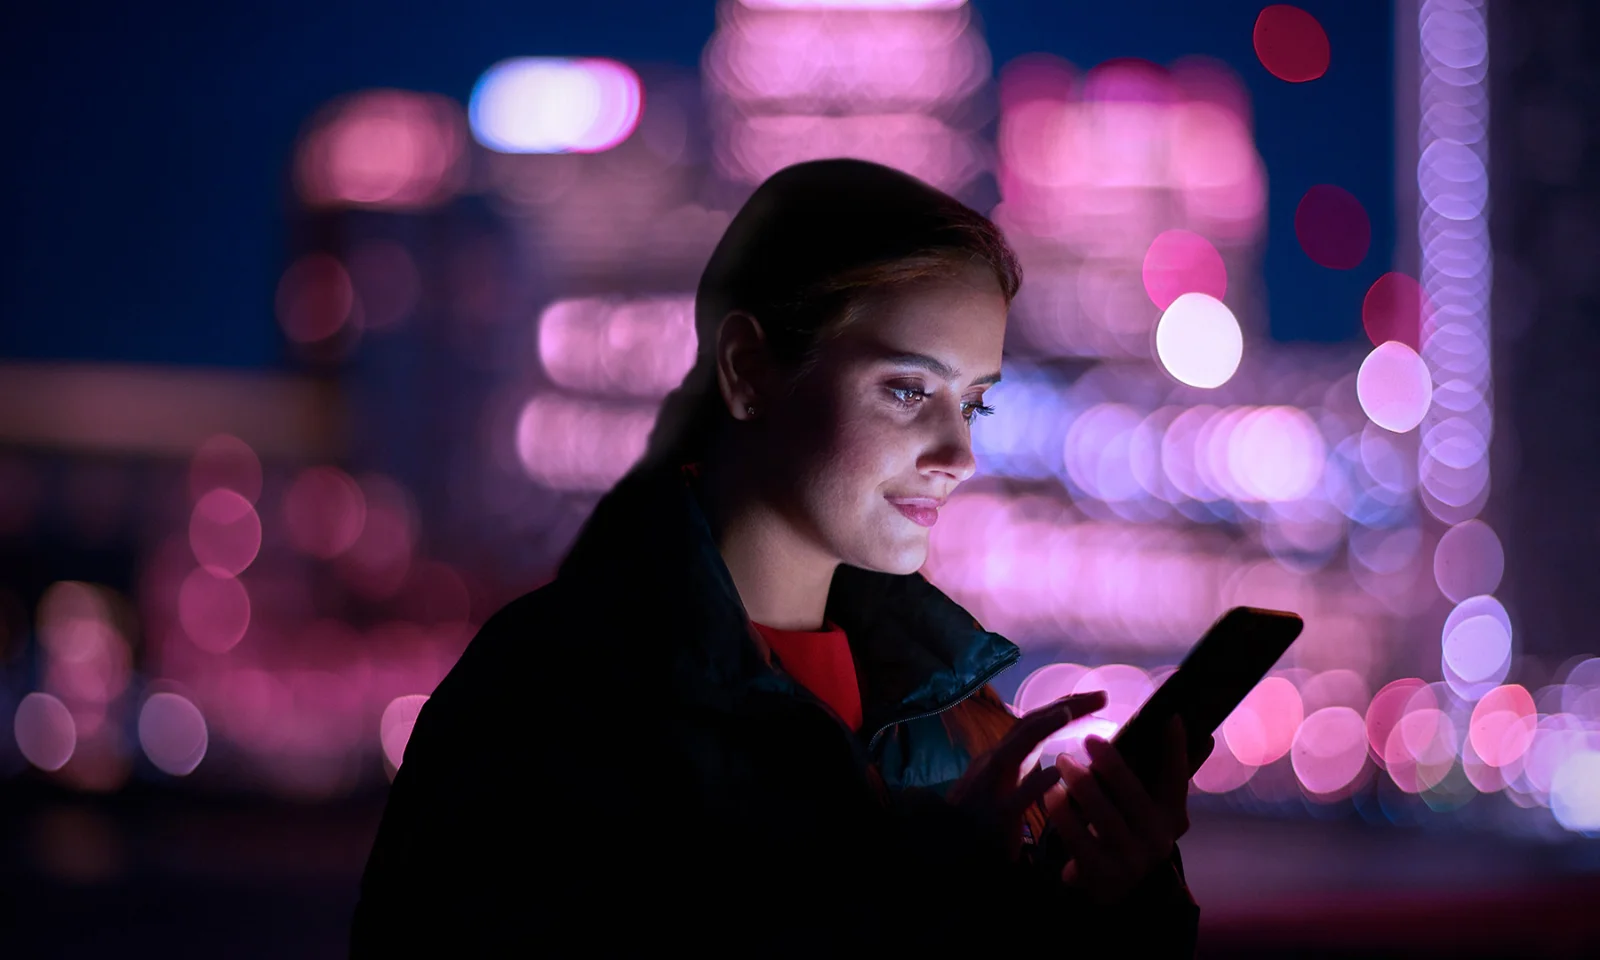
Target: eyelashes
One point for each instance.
(970, 409)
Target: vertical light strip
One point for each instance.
(1455, 271)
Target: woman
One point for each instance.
(739, 720)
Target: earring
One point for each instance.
(750, 410)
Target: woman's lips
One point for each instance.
(923, 512)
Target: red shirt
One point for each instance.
(820, 661)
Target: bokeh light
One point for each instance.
(214, 611)
(1291, 44)
(1393, 309)
(315, 299)
(555, 105)
(1468, 561)
(1179, 262)
(1502, 726)
(1198, 341)
(638, 347)
(1332, 227)
(383, 148)
(224, 461)
(1394, 387)
(394, 728)
(45, 732)
(1330, 749)
(1575, 792)
(324, 511)
(568, 444)
(173, 733)
(376, 564)
(225, 533)
(1262, 728)
(1383, 714)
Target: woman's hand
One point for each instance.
(989, 791)
(1116, 828)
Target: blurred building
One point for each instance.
(490, 299)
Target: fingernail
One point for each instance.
(1094, 744)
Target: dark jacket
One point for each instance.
(611, 767)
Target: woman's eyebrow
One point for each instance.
(933, 365)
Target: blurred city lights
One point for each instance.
(1290, 43)
(555, 105)
(173, 733)
(1393, 310)
(214, 611)
(315, 299)
(324, 511)
(852, 4)
(1262, 728)
(1179, 262)
(224, 532)
(224, 461)
(573, 445)
(1332, 227)
(45, 732)
(1198, 341)
(638, 347)
(1575, 792)
(870, 81)
(1394, 387)
(1468, 561)
(1329, 749)
(376, 563)
(383, 148)
(1502, 726)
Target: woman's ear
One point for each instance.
(744, 364)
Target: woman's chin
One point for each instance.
(909, 558)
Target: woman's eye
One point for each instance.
(970, 409)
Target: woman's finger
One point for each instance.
(1088, 853)
(1150, 825)
(1031, 728)
(1096, 808)
(1030, 791)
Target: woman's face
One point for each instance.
(879, 432)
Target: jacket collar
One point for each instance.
(648, 559)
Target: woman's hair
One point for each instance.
(801, 256)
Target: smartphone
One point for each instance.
(1217, 674)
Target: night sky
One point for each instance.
(147, 147)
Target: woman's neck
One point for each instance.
(782, 578)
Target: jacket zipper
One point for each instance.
(971, 689)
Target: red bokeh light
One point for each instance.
(225, 533)
(1385, 711)
(1332, 227)
(225, 461)
(376, 564)
(324, 511)
(1180, 262)
(315, 298)
(1291, 43)
(214, 611)
(1502, 725)
(1393, 310)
